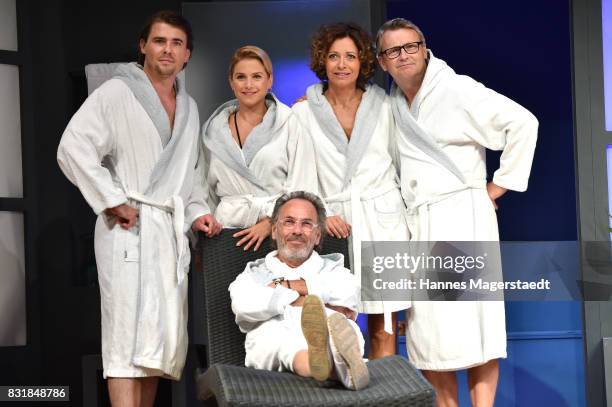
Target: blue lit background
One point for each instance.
(282, 28)
(291, 78)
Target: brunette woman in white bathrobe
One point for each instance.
(254, 151)
(352, 128)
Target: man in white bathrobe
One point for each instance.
(132, 151)
(298, 308)
(445, 122)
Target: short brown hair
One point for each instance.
(250, 52)
(324, 38)
(171, 18)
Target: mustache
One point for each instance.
(299, 238)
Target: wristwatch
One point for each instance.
(277, 281)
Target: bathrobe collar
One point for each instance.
(365, 124)
(136, 79)
(406, 116)
(217, 136)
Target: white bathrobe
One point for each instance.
(272, 325)
(442, 139)
(277, 157)
(119, 148)
(357, 178)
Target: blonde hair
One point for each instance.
(250, 52)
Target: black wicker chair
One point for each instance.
(393, 380)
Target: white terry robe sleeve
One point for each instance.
(301, 167)
(503, 124)
(84, 144)
(253, 302)
(301, 112)
(197, 205)
(302, 170)
(212, 200)
(337, 287)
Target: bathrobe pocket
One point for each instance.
(389, 210)
(131, 252)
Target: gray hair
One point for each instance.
(396, 24)
(307, 196)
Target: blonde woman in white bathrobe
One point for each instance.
(445, 122)
(255, 150)
(352, 129)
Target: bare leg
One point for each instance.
(445, 384)
(124, 392)
(482, 381)
(148, 390)
(381, 343)
(301, 366)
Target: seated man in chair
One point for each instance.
(298, 308)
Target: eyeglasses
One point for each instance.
(409, 47)
(305, 224)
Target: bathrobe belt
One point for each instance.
(355, 195)
(421, 205)
(175, 207)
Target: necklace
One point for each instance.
(237, 131)
(245, 120)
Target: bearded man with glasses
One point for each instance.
(445, 122)
(298, 308)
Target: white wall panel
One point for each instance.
(11, 179)
(8, 25)
(12, 280)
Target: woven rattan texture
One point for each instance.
(394, 382)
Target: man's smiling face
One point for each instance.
(165, 50)
(296, 232)
(406, 66)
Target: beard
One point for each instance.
(298, 255)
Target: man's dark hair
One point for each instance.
(171, 18)
(306, 196)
